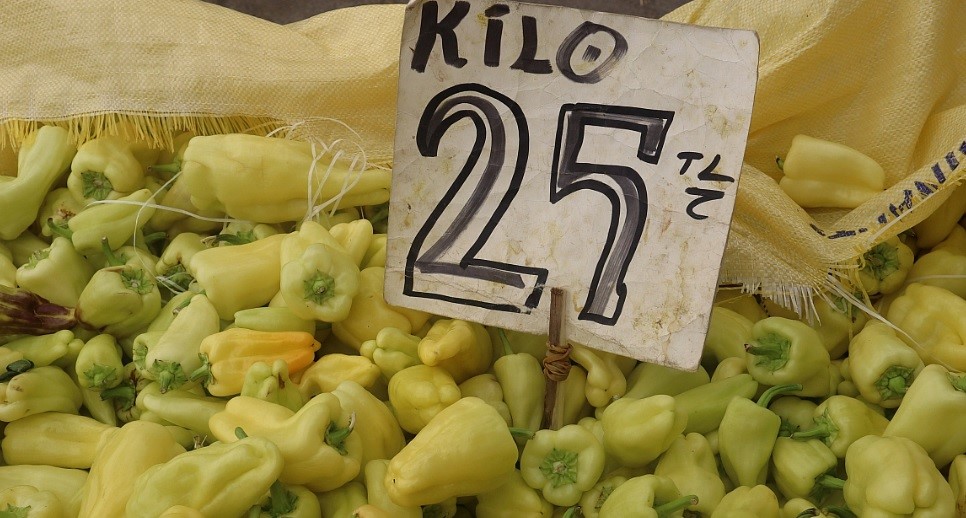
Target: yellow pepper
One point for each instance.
(945, 265)
(270, 382)
(332, 369)
(370, 313)
(223, 479)
(378, 493)
(230, 353)
(392, 350)
(460, 347)
(419, 393)
(318, 444)
(932, 322)
(54, 439)
(486, 387)
(605, 380)
(355, 237)
(466, 449)
(885, 266)
(64, 483)
(375, 424)
(30, 501)
(124, 456)
(105, 168)
(320, 284)
(42, 389)
(820, 173)
(241, 276)
(937, 226)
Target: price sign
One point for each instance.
(542, 146)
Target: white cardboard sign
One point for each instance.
(542, 146)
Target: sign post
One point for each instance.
(543, 146)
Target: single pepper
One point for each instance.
(123, 455)
(802, 508)
(31, 502)
(893, 476)
(343, 501)
(318, 443)
(591, 501)
(57, 273)
(105, 168)
(419, 393)
(332, 369)
(521, 377)
(730, 367)
(320, 284)
(563, 463)
(376, 253)
(116, 222)
(743, 501)
(375, 424)
(392, 350)
(881, 365)
(837, 323)
(820, 173)
(747, 436)
(370, 313)
(378, 494)
(58, 207)
(466, 449)
(840, 421)
(239, 277)
(355, 237)
(119, 300)
(690, 463)
(460, 347)
(175, 355)
(223, 479)
(650, 379)
(638, 431)
(53, 438)
(273, 319)
(180, 407)
(43, 350)
(804, 468)
(957, 481)
(486, 387)
(123, 397)
(98, 364)
(572, 404)
(43, 158)
(20, 247)
(705, 405)
(270, 382)
(933, 414)
(287, 501)
(944, 265)
(784, 351)
(728, 332)
(219, 171)
(514, 499)
(885, 266)
(227, 356)
(931, 320)
(64, 483)
(647, 496)
(175, 259)
(41, 389)
(605, 379)
(796, 414)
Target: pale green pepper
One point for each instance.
(486, 387)
(287, 501)
(882, 365)
(392, 350)
(821, 173)
(117, 222)
(320, 284)
(355, 237)
(460, 347)
(690, 463)
(705, 405)
(728, 332)
(57, 273)
(933, 414)
(64, 483)
(638, 431)
(176, 258)
(605, 379)
(105, 168)
(804, 468)
(343, 501)
(840, 421)
(54, 439)
(59, 206)
(43, 350)
(378, 494)
(375, 424)
(784, 351)
(521, 377)
(271, 383)
(885, 267)
(267, 318)
(175, 355)
(42, 389)
(514, 499)
(563, 463)
(29, 501)
(119, 300)
(243, 232)
(647, 496)
(650, 379)
(419, 393)
(98, 364)
(591, 501)
(743, 501)
(370, 313)
(188, 409)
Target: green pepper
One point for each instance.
(320, 284)
(419, 393)
(53, 438)
(930, 319)
(690, 463)
(728, 332)
(376, 253)
(25, 500)
(822, 173)
(343, 501)
(486, 387)
(747, 435)
(840, 421)
(572, 404)
(460, 347)
(784, 351)
(219, 171)
(647, 496)
(44, 156)
(515, 499)
(392, 350)
(378, 495)
(273, 319)
(591, 501)
(57, 273)
(43, 350)
(563, 463)
(464, 450)
(729, 367)
(885, 267)
(804, 468)
(41, 389)
(837, 323)
(945, 264)
(58, 207)
(116, 222)
(893, 476)
(123, 397)
(795, 413)
(20, 248)
(933, 414)
(271, 383)
(98, 364)
(64, 483)
(176, 353)
(524, 387)
(370, 313)
(173, 265)
(651, 379)
(743, 501)
(287, 501)
(377, 428)
(355, 237)
(881, 365)
(223, 479)
(637, 431)
(705, 405)
(605, 379)
(188, 409)
(119, 300)
(105, 168)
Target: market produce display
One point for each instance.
(182, 336)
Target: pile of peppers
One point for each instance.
(235, 358)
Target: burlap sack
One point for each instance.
(887, 78)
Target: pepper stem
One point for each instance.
(571, 512)
(61, 230)
(669, 508)
(173, 167)
(811, 511)
(100, 376)
(240, 433)
(16, 368)
(96, 185)
(203, 373)
(522, 433)
(507, 350)
(817, 432)
(840, 511)
(336, 436)
(771, 350)
(829, 482)
(282, 502)
(780, 162)
(170, 375)
(770, 393)
(124, 394)
(958, 381)
(560, 467)
(894, 382)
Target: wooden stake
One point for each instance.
(556, 364)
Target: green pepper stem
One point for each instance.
(770, 393)
(125, 394)
(282, 500)
(16, 368)
(840, 511)
(59, 230)
(507, 350)
(235, 239)
(109, 255)
(523, 433)
(100, 376)
(818, 432)
(958, 381)
(780, 162)
(772, 350)
(894, 382)
(669, 508)
(154, 237)
(170, 375)
(336, 436)
(173, 167)
(240, 433)
(203, 373)
(829, 481)
(811, 511)
(571, 512)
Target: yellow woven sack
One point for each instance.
(886, 78)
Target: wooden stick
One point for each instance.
(556, 364)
